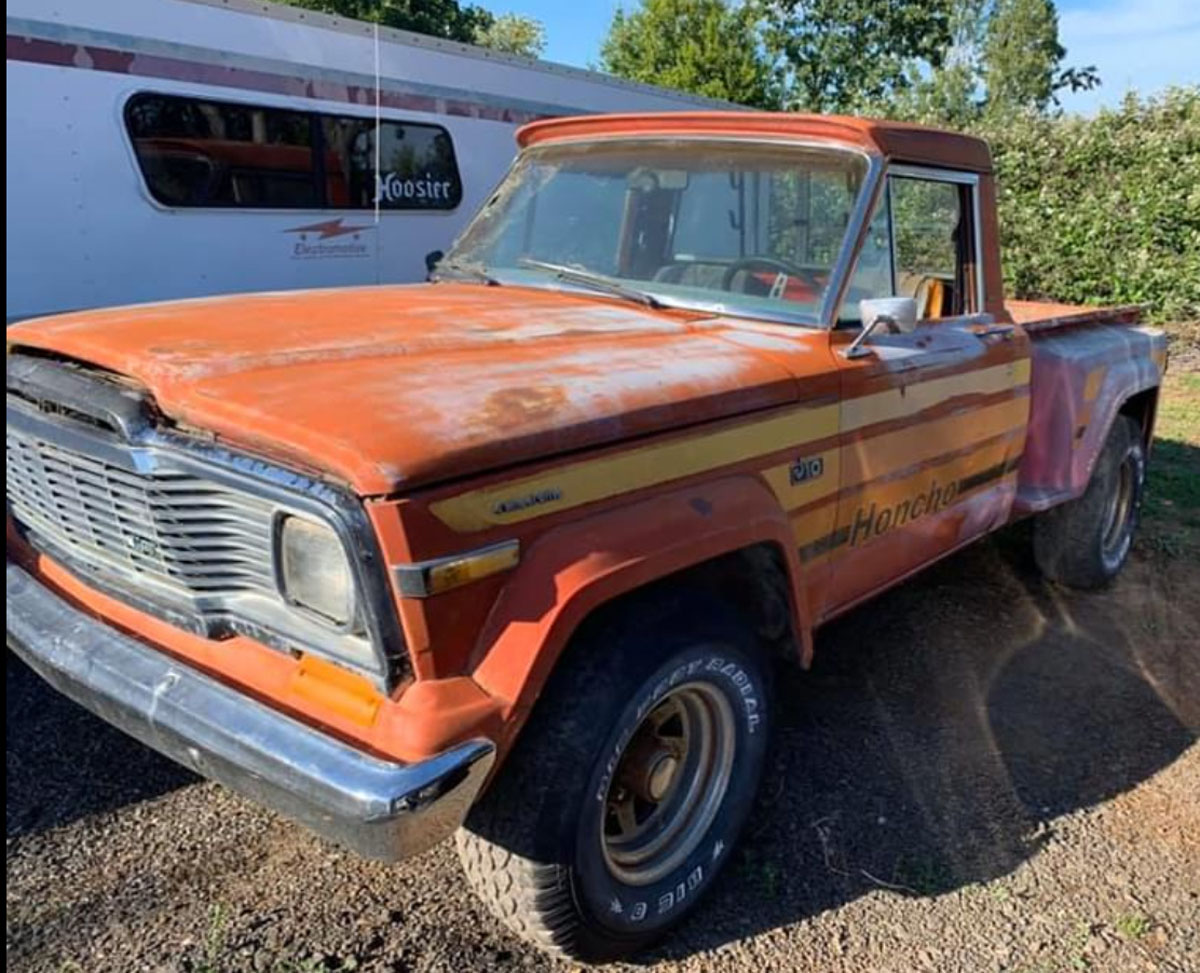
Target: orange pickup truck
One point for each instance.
(509, 555)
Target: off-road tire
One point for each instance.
(533, 847)
(1078, 543)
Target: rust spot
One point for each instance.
(511, 408)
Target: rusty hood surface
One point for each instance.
(388, 388)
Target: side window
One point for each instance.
(873, 274)
(919, 244)
(807, 212)
(931, 244)
(199, 153)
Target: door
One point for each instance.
(932, 423)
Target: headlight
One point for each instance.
(314, 571)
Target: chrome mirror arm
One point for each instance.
(856, 349)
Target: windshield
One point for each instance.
(744, 228)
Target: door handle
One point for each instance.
(995, 330)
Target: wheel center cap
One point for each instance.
(661, 776)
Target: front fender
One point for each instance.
(571, 570)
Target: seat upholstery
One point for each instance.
(929, 292)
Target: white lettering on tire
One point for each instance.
(743, 684)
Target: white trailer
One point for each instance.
(174, 148)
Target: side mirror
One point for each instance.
(897, 314)
(432, 259)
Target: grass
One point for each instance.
(1133, 926)
(762, 871)
(214, 941)
(1171, 513)
(925, 876)
(999, 893)
(214, 948)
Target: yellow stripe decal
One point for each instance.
(880, 456)
(587, 481)
(908, 400)
(597, 479)
(896, 503)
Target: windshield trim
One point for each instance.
(839, 274)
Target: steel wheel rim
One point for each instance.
(1120, 506)
(670, 781)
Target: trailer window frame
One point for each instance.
(448, 198)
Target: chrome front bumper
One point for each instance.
(379, 808)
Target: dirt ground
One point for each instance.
(981, 773)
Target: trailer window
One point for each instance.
(199, 153)
(417, 169)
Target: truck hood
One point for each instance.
(387, 388)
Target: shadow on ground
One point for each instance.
(62, 763)
(943, 728)
(945, 724)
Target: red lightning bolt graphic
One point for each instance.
(328, 228)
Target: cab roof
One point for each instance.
(896, 141)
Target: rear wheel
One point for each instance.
(629, 786)
(1085, 542)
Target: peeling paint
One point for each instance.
(432, 380)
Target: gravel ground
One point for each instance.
(980, 773)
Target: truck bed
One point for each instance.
(1039, 316)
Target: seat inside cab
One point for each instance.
(933, 294)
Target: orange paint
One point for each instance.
(662, 438)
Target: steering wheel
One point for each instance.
(769, 264)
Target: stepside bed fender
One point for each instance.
(572, 570)
(1081, 381)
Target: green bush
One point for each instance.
(1104, 210)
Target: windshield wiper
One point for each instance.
(462, 268)
(600, 282)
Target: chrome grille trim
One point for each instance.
(176, 530)
(178, 526)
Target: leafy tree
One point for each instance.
(951, 94)
(513, 34)
(1022, 57)
(708, 47)
(438, 18)
(1004, 59)
(841, 55)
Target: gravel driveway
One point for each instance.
(980, 773)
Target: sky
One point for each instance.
(1145, 44)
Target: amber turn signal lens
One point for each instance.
(431, 577)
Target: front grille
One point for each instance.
(175, 525)
(189, 535)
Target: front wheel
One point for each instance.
(629, 787)
(1085, 542)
